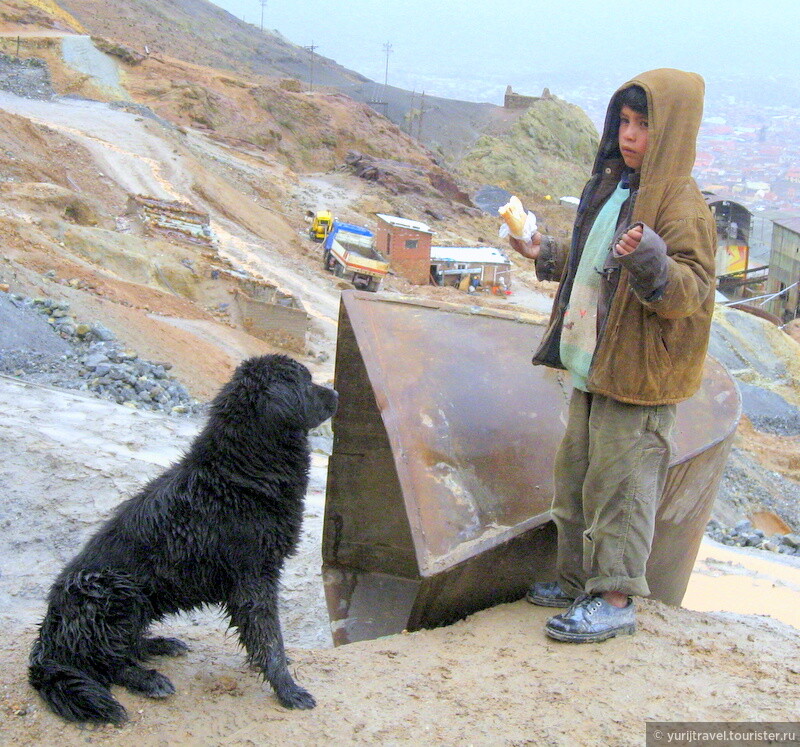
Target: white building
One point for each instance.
(450, 265)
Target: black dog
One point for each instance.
(214, 528)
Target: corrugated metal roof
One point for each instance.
(414, 225)
(793, 224)
(469, 254)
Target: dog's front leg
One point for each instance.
(254, 612)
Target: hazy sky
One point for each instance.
(515, 40)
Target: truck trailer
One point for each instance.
(349, 252)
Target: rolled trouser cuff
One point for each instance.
(569, 587)
(636, 586)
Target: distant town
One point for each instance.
(751, 153)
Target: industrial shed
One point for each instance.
(734, 223)
(784, 269)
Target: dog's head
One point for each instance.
(278, 390)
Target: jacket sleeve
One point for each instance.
(672, 273)
(552, 258)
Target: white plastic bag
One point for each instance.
(528, 230)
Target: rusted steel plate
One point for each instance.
(440, 479)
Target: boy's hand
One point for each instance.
(629, 240)
(528, 249)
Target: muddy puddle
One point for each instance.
(753, 582)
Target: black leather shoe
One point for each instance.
(548, 594)
(591, 619)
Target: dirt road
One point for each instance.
(124, 149)
(143, 157)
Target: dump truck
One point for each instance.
(349, 252)
(320, 225)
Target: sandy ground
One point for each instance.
(493, 679)
(490, 680)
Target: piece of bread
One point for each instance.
(514, 215)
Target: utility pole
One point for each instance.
(311, 49)
(263, 5)
(387, 48)
(410, 114)
(421, 115)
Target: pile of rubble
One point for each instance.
(402, 178)
(95, 362)
(28, 77)
(744, 534)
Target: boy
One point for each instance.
(630, 323)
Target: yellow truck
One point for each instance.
(320, 225)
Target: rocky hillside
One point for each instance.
(252, 154)
(200, 32)
(38, 15)
(549, 150)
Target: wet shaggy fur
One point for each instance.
(214, 528)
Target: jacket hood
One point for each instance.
(673, 96)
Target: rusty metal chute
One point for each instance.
(440, 478)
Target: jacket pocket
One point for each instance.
(611, 262)
(665, 334)
(658, 350)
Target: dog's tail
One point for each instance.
(74, 695)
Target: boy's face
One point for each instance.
(632, 137)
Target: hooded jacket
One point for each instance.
(656, 303)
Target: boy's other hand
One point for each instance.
(528, 249)
(629, 240)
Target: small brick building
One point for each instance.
(406, 245)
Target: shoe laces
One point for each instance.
(593, 605)
(588, 602)
(578, 601)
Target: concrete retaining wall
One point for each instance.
(284, 326)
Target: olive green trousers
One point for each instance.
(610, 472)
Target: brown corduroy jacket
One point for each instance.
(656, 303)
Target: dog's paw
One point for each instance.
(159, 686)
(296, 697)
(159, 646)
(148, 682)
